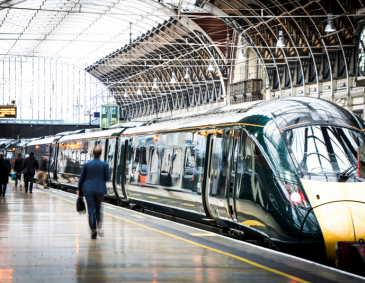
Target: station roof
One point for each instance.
(79, 32)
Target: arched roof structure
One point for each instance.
(170, 36)
(177, 46)
(310, 52)
(79, 32)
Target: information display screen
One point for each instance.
(7, 111)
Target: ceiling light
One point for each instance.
(139, 92)
(329, 26)
(125, 93)
(187, 76)
(155, 86)
(211, 67)
(173, 79)
(280, 42)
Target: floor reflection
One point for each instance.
(90, 262)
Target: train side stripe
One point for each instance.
(192, 128)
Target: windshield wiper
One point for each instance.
(346, 173)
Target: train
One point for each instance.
(280, 172)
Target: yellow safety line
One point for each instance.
(138, 216)
(203, 246)
(187, 204)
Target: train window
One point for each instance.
(90, 147)
(77, 159)
(219, 165)
(73, 155)
(235, 153)
(102, 145)
(251, 149)
(83, 157)
(189, 166)
(165, 165)
(176, 162)
(154, 160)
(144, 156)
(111, 147)
(136, 155)
(324, 149)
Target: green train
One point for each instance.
(282, 171)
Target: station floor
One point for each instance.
(44, 239)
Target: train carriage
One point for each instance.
(282, 171)
(73, 151)
(44, 148)
(279, 170)
(14, 148)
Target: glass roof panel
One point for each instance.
(79, 32)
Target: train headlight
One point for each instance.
(296, 197)
(293, 194)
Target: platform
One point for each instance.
(44, 239)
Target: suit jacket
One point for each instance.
(30, 165)
(18, 165)
(4, 171)
(94, 174)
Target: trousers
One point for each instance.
(42, 179)
(18, 177)
(93, 208)
(3, 189)
(30, 179)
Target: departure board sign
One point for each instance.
(7, 111)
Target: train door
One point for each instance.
(217, 173)
(125, 161)
(121, 168)
(110, 159)
(251, 200)
(52, 162)
(235, 173)
(154, 164)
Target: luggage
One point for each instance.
(13, 176)
(80, 205)
(21, 180)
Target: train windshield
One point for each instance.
(324, 150)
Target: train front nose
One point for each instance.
(340, 221)
(339, 208)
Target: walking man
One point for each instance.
(42, 176)
(30, 166)
(92, 184)
(18, 167)
(4, 174)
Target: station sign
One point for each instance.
(8, 111)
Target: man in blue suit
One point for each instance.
(92, 184)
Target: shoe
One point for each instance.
(94, 235)
(31, 192)
(100, 233)
(45, 188)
